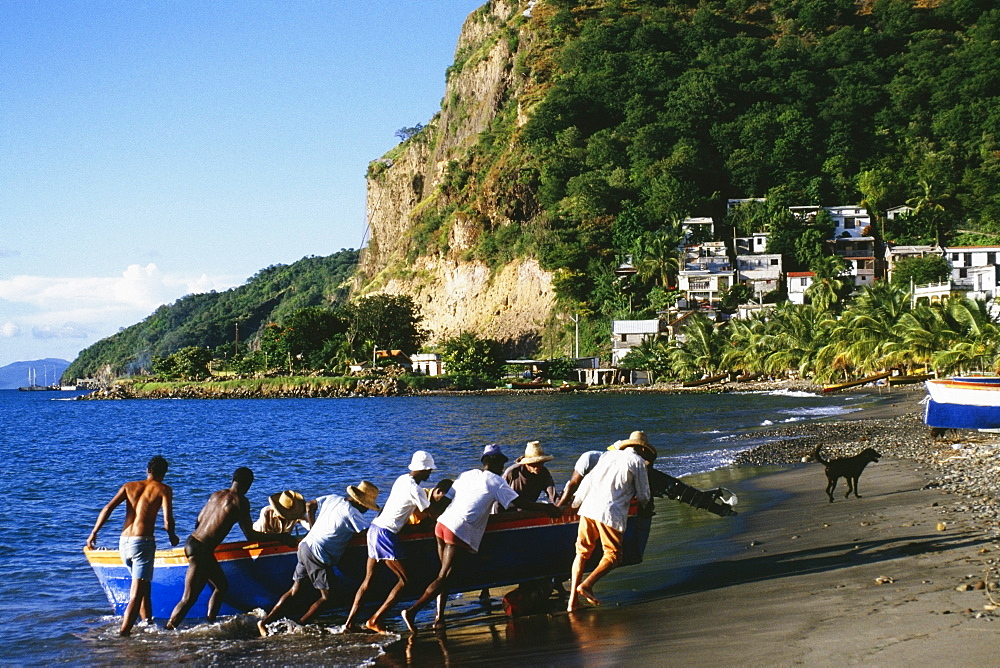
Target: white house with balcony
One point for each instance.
(850, 221)
(975, 267)
(796, 284)
(707, 273)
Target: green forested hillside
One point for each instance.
(211, 319)
(637, 113)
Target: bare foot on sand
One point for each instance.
(587, 595)
(262, 629)
(375, 626)
(408, 620)
(439, 624)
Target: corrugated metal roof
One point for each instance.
(635, 326)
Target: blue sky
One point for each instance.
(150, 150)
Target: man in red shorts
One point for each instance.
(461, 526)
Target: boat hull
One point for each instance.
(961, 416)
(517, 547)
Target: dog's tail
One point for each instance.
(815, 456)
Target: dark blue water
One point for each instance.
(62, 460)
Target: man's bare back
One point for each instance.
(143, 499)
(221, 513)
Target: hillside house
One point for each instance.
(898, 211)
(627, 334)
(707, 273)
(700, 228)
(975, 267)
(859, 252)
(755, 243)
(427, 364)
(893, 254)
(762, 273)
(796, 284)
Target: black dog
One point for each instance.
(848, 468)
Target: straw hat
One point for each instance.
(493, 450)
(638, 441)
(534, 454)
(365, 494)
(289, 504)
(421, 461)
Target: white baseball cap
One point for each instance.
(421, 461)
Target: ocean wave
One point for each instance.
(766, 423)
(805, 412)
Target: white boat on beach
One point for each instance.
(965, 392)
(962, 404)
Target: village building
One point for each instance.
(893, 254)
(707, 273)
(974, 267)
(698, 228)
(751, 245)
(796, 284)
(427, 364)
(853, 242)
(761, 273)
(627, 334)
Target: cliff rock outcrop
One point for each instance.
(422, 240)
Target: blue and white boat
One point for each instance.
(969, 402)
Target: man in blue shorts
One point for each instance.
(137, 545)
(405, 499)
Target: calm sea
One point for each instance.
(62, 460)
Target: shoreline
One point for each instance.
(897, 576)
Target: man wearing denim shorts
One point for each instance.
(137, 545)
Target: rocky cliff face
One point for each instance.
(420, 241)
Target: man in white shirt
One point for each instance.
(338, 520)
(461, 526)
(405, 499)
(603, 498)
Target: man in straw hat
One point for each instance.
(405, 499)
(461, 526)
(222, 511)
(529, 477)
(338, 520)
(283, 511)
(603, 499)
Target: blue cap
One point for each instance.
(493, 450)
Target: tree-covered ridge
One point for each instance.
(636, 113)
(211, 319)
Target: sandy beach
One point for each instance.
(907, 574)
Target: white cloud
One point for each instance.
(9, 330)
(68, 330)
(138, 288)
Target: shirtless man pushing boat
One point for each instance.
(222, 511)
(137, 545)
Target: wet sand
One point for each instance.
(792, 579)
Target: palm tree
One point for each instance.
(702, 349)
(658, 254)
(827, 285)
